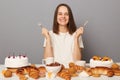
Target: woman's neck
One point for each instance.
(63, 29)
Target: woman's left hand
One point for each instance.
(79, 32)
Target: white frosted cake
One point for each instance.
(16, 61)
(101, 62)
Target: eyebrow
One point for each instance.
(61, 12)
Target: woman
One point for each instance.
(64, 42)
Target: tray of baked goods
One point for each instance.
(99, 68)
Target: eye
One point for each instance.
(59, 13)
(66, 14)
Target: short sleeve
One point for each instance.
(44, 44)
(81, 42)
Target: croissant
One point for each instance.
(101, 71)
(64, 74)
(76, 68)
(72, 70)
(20, 71)
(79, 68)
(22, 77)
(34, 73)
(116, 72)
(71, 65)
(27, 69)
(42, 71)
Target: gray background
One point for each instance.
(20, 33)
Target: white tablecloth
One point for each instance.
(14, 77)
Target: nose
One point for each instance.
(63, 15)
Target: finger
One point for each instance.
(80, 28)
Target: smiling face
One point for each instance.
(63, 19)
(62, 16)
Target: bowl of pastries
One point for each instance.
(52, 69)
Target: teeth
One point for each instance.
(62, 20)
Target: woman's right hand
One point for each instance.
(79, 32)
(45, 33)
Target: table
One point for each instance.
(14, 77)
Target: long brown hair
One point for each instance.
(71, 24)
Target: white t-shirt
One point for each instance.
(63, 44)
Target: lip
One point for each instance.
(62, 20)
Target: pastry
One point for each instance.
(76, 68)
(71, 64)
(96, 58)
(96, 75)
(42, 71)
(34, 73)
(7, 73)
(13, 70)
(79, 68)
(72, 70)
(20, 71)
(64, 74)
(97, 71)
(27, 69)
(116, 72)
(106, 58)
(110, 73)
(23, 77)
(115, 66)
